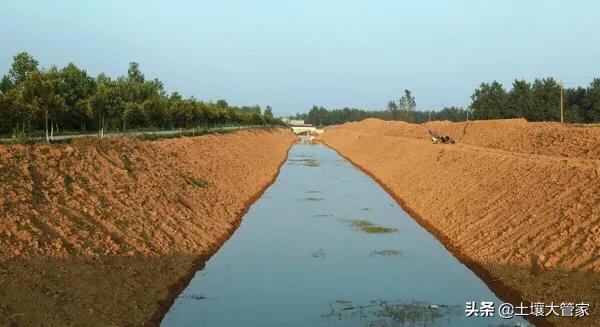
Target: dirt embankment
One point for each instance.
(518, 202)
(513, 135)
(106, 233)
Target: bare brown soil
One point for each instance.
(513, 135)
(517, 202)
(101, 233)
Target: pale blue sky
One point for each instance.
(293, 54)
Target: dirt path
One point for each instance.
(526, 219)
(107, 233)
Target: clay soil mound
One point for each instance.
(100, 233)
(518, 202)
(513, 135)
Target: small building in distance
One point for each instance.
(295, 122)
(300, 127)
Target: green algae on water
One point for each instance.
(369, 227)
(385, 253)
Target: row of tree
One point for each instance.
(321, 116)
(34, 99)
(404, 109)
(537, 101)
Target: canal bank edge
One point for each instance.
(500, 289)
(136, 220)
(184, 281)
(387, 160)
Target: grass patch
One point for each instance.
(369, 227)
(148, 137)
(196, 182)
(416, 313)
(310, 198)
(199, 131)
(393, 313)
(3, 181)
(61, 141)
(145, 134)
(306, 162)
(385, 253)
(30, 139)
(311, 163)
(193, 296)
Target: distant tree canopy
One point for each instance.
(537, 101)
(321, 116)
(34, 99)
(404, 109)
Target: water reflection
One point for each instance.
(317, 248)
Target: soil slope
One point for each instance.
(107, 233)
(518, 202)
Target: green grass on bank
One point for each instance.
(144, 134)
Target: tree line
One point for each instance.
(404, 109)
(536, 101)
(319, 115)
(35, 99)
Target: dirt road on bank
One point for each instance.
(101, 233)
(518, 202)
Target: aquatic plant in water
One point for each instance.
(385, 253)
(369, 227)
(392, 313)
(305, 161)
(310, 198)
(318, 254)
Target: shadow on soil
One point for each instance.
(122, 290)
(111, 290)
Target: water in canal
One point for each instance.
(327, 246)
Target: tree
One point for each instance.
(33, 99)
(104, 105)
(519, 102)
(43, 91)
(155, 111)
(488, 101)
(592, 102)
(406, 106)
(575, 105)
(133, 115)
(407, 101)
(134, 74)
(268, 112)
(5, 84)
(222, 104)
(250, 109)
(76, 86)
(23, 64)
(392, 107)
(546, 99)
(16, 113)
(176, 110)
